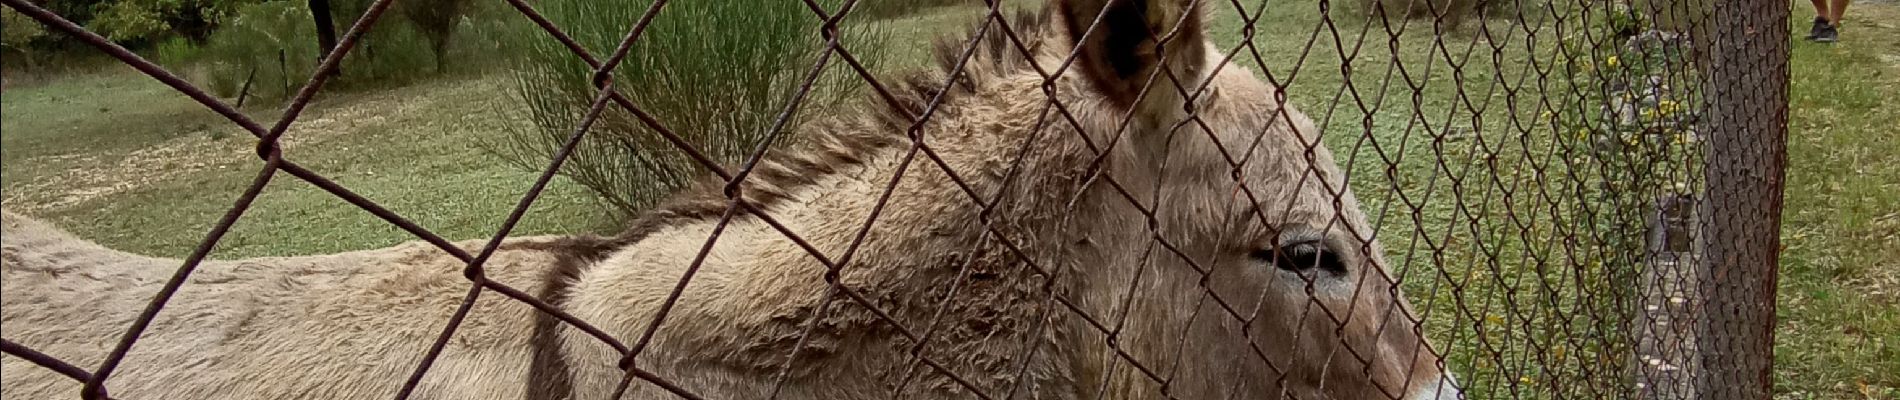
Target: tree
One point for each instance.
(326, 29)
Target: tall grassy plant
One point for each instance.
(718, 73)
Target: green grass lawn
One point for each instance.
(125, 161)
(1839, 336)
(1437, 150)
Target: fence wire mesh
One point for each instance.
(1578, 198)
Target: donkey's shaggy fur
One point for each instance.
(1013, 292)
(332, 326)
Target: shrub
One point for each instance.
(17, 31)
(715, 72)
(395, 51)
(133, 20)
(1627, 140)
(1636, 120)
(488, 37)
(17, 34)
(176, 51)
(437, 21)
(273, 45)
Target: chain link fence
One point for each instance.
(1578, 199)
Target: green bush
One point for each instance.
(488, 37)
(175, 51)
(1636, 122)
(395, 51)
(17, 34)
(269, 44)
(273, 46)
(1624, 143)
(17, 31)
(715, 72)
(141, 20)
(415, 30)
(437, 21)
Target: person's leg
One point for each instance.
(1831, 31)
(1837, 9)
(1822, 19)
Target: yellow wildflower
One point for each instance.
(1667, 108)
(1611, 62)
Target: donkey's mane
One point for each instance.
(879, 122)
(826, 146)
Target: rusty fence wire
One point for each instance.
(1581, 198)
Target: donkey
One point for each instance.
(1165, 228)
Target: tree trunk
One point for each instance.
(1747, 98)
(440, 47)
(326, 30)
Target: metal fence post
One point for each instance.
(1747, 100)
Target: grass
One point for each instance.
(1839, 336)
(138, 167)
(103, 112)
(170, 168)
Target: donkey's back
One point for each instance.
(349, 325)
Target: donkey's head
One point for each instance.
(1211, 232)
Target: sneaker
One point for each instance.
(1828, 34)
(1820, 24)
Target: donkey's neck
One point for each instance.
(906, 233)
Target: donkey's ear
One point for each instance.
(1124, 42)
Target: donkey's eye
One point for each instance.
(1302, 256)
